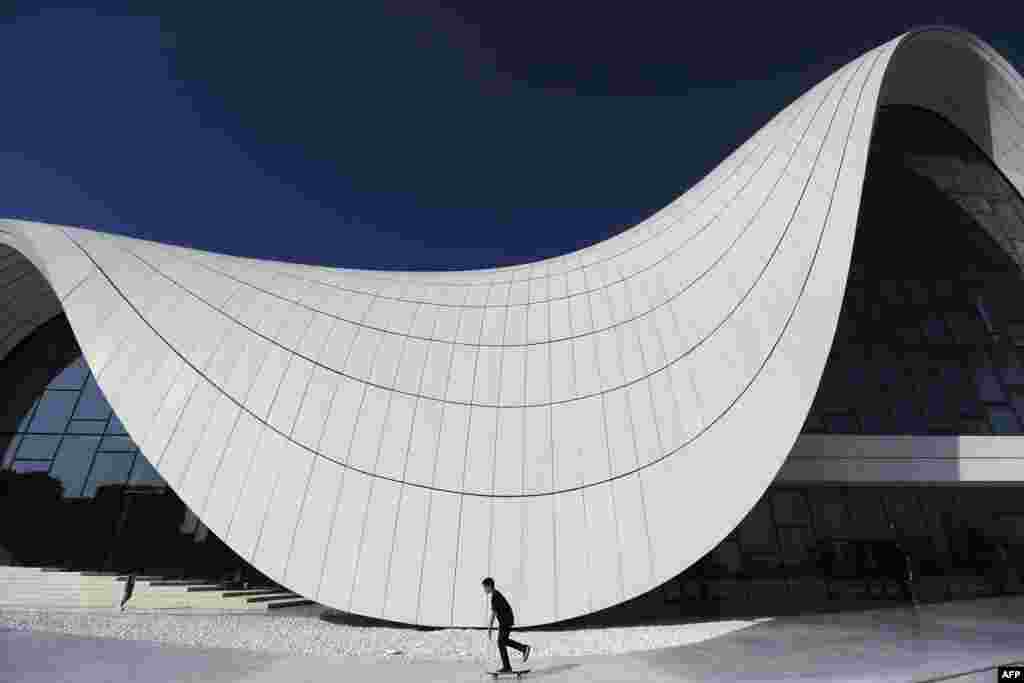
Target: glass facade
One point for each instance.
(69, 466)
(930, 340)
(931, 334)
(71, 433)
(830, 547)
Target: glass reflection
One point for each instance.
(71, 433)
(927, 341)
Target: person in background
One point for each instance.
(904, 566)
(502, 611)
(998, 569)
(129, 588)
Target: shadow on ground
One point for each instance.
(552, 670)
(642, 611)
(342, 618)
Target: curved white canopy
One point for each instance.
(582, 428)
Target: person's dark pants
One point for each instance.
(504, 642)
(907, 591)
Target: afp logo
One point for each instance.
(1012, 672)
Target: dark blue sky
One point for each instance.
(389, 134)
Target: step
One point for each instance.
(275, 596)
(290, 603)
(169, 590)
(59, 587)
(184, 604)
(181, 582)
(77, 582)
(254, 592)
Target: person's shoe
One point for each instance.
(506, 671)
(526, 653)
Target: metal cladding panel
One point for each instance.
(582, 428)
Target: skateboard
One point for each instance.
(518, 673)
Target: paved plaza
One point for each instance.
(959, 642)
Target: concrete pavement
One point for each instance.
(957, 642)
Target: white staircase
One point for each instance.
(35, 587)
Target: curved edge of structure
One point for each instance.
(380, 452)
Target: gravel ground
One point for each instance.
(311, 636)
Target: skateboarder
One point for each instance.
(502, 611)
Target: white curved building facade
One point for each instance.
(583, 428)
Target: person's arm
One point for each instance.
(490, 625)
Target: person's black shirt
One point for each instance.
(501, 608)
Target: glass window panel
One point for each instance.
(93, 404)
(761, 563)
(876, 421)
(53, 412)
(12, 445)
(841, 424)
(887, 365)
(974, 426)
(967, 293)
(942, 398)
(985, 380)
(790, 507)
(73, 462)
(1016, 332)
(828, 509)
(814, 424)
(26, 466)
(935, 330)
(116, 427)
(27, 417)
(967, 328)
(893, 292)
(876, 312)
(1008, 364)
(1017, 401)
(951, 375)
(1001, 300)
(796, 542)
(144, 473)
(109, 468)
(902, 509)
(907, 418)
(865, 507)
(38, 447)
(72, 377)
(918, 292)
(757, 533)
(847, 330)
(727, 557)
(117, 443)
(970, 406)
(909, 334)
(856, 301)
(87, 426)
(983, 313)
(917, 365)
(1003, 420)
